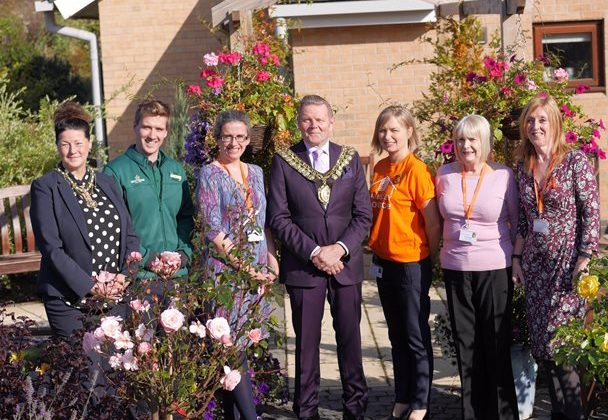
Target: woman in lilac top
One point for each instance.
(479, 204)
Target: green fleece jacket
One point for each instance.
(159, 201)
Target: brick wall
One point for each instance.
(351, 68)
(150, 42)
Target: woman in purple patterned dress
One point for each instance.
(557, 234)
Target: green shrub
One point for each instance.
(27, 143)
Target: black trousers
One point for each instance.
(238, 403)
(404, 294)
(480, 304)
(564, 391)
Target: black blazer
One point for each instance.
(63, 239)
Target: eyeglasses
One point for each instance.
(239, 138)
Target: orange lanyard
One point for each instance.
(468, 210)
(244, 187)
(540, 200)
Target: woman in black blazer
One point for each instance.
(81, 225)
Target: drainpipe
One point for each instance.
(91, 38)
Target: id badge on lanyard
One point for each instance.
(540, 225)
(467, 234)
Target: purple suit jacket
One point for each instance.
(300, 222)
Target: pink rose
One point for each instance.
(255, 335)
(111, 326)
(129, 361)
(144, 348)
(218, 327)
(99, 334)
(262, 76)
(115, 361)
(123, 341)
(226, 340)
(166, 264)
(104, 277)
(136, 305)
(90, 343)
(210, 59)
(194, 90)
(134, 256)
(143, 333)
(172, 320)
(198, 329)
(231, 379)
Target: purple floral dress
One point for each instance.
(222, 208)
(571, 207)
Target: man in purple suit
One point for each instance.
(319, 208)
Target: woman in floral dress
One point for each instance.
(232, 206)
(557, 234)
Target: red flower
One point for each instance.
(496, 72)
(230, 58)
(489, 62)
(262, 76)
(273, 58)
(261, 49)
(194, 90)
(215, 82)
(567, 111)
(207, 72)
(571, 137)
(581, 89)
(506, 90)
(519, 79)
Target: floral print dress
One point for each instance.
(571, 207)
(222, 208)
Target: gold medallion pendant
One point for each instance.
(323, 194)
(325, 180)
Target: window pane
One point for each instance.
(574, 51)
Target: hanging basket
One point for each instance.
(261, 135)
(510, 124)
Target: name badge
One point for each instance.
(375, 271)
(467, 235)
(255, 236)
(541, 226)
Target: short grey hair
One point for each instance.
(314, 100)
(475, 126)
(228, 116)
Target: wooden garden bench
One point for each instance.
(18, 251)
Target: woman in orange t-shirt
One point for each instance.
(405, 233)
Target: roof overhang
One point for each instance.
(72, 9)
(356, 13)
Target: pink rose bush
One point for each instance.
(166, 264)
(172, 320)
(231, 379)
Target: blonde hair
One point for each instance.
(404, 117)
(526, 152)
(473, 126)
(151, 108)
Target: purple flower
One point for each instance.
(263, 387)
(519, 78)
(197, 150)
(471, 76)
(447, 147)
(216, 90)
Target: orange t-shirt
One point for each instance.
(398, 193)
